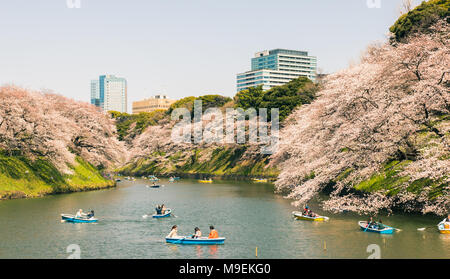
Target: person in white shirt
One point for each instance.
(173, 232)
(79, 213)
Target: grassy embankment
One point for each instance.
(225, 162)
(21, 177)
(389, 180)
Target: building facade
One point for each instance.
(276, 67)
(151, 104)
(109, 93)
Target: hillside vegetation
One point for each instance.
(420, 19)
(155, 152)
(52, 144)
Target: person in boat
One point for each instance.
(197, 233)
(90, 214)
(305, 211)
(371, 223)
(79, 213)
(213, 233)
(158, 209)
(173, 231)
(447, 220)
(163, 209)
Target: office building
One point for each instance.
(109, 93)
(151, 104)
(276, 67)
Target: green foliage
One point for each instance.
(187, 102)
(216, 161)
(249, 98)
(22, 177)
(285, 97)
(420, 18)
(208, 101)
(125, 122)
(389, 181)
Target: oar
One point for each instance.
(368, 224)
(178, 241)
(422, 229)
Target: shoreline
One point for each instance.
(15, 195)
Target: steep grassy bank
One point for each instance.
(22, 178)
(200, 162)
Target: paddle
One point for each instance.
(368, 224)
(178, 241)
(429, 227)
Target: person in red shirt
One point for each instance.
(213, 233)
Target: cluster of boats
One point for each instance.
(376, 227)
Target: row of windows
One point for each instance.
(297, 58)
(293, 66)
(295, 62)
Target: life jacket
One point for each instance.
(446, 226)
(213, 234)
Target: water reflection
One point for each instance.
(249, 215)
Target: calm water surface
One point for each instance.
(248, 215)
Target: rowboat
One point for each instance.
(300, 216)
(73, 219)
(205, 181)
(260, 180)
(190, 240)
(376, 229)
(167, 214)
(153, 186)
(444, 227)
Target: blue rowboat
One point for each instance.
(376, 229)
(190, 240)
(167, 214)
(73, 219)
(153, 186)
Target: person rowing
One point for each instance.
(308, 212)
(90, 214)
(305, 210)
(197, 233)
(158, 209)
(79, 213)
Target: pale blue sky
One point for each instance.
(176, 47)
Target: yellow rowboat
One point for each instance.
(299, 216)
(205, 181)
(444, 227)
(260, 180)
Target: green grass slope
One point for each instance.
(213, 161)
(21, 178)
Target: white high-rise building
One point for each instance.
(109, 93)
(276, 67)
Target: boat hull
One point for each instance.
(442, 229)
(386, 230)
(300, 216)
(196, 241)
(205, 181)
(73, 219)
(168, 214)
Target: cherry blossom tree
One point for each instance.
(37, 124)
(368, 114)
